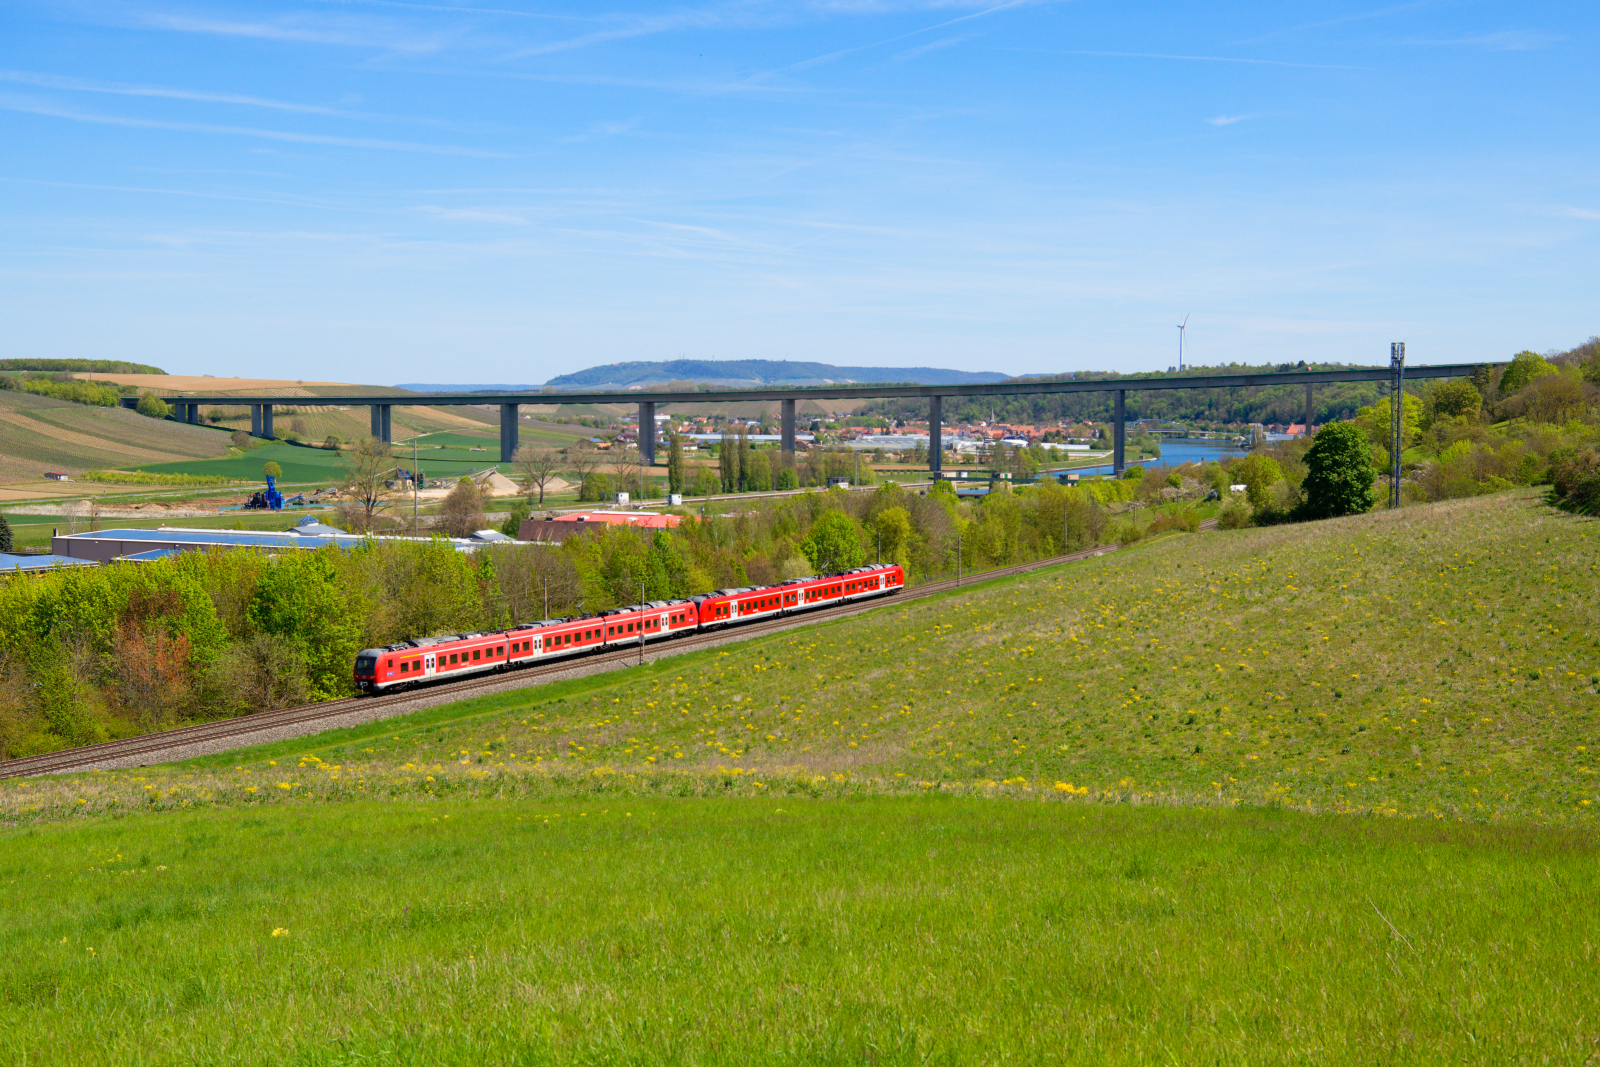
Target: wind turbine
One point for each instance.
(1181, 327)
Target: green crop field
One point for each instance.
(1314, 793)
(321, 466)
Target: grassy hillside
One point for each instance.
(1440, 662)
(39, 433)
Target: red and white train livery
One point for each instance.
(424, 660)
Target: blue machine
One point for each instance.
(270, 500)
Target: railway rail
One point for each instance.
(148, 747)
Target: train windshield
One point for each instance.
(366, 663)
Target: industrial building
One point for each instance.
(103, 546)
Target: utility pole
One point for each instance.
(415, 529)
(880, 544)
(641, 622)
(1397, 407)
(546, 582)
(958, 560)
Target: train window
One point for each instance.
(405, 668)
(476, 653)
(452, 657)
(500, 651)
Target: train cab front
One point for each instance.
(366, 675)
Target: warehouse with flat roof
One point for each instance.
(103, 546)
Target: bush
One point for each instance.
(513, 524)
(1186, 519)
(152, 406)
(147, 478)
(596, 487)
(270, 469)
(1576, 478)
(1235, 516)
(5, 535)
(74, 391)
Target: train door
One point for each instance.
(427, 664)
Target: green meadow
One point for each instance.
(880, 930)
(1315, 793)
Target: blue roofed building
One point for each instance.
(30, 564)
(103, 546)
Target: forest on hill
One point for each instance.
(79, 366)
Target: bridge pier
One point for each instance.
(381, 423)
(936, 435)
(1308, 409)
(787, 408)
(647, 432)
(193, 413)
(508, 432)
(266, 422)
(1118, 436)
(255, 420)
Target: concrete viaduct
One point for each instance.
(187, 408)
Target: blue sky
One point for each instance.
(386, 191)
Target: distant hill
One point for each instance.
(423, 387)
(754, 373)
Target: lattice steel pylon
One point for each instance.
(1397, 410)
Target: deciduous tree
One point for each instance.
(461, 514)
(366, 468)
(1339, 473)
(834, 543)
(536, 467)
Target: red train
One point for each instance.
(424, 660)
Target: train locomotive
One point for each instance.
(426, 660)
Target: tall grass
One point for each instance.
(782, 931)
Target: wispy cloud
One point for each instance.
(829, 57)
(452, 214)
(1500, 41)
(932, 46)
(51, 81)
(1582, 213)
(626, 29)
(1227, 120)
(450, 9)
(1192, 59)
(1340, 20)
(348, 32)
(602, 129)
(39, 107)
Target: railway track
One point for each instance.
(137, 751)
